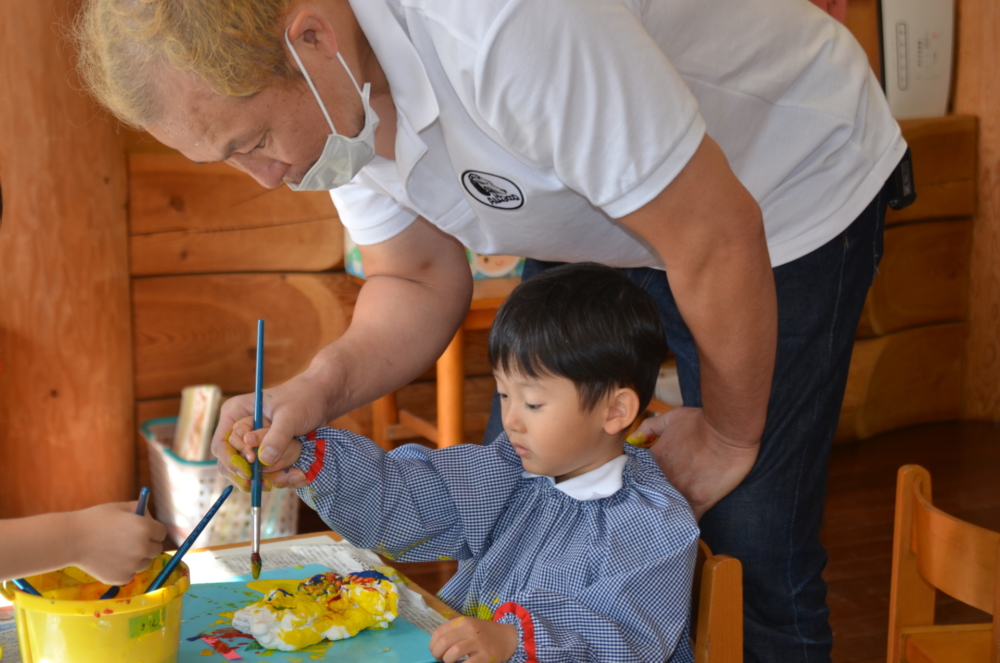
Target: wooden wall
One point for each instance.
(977, 92)
(907, 363)
(65, 345)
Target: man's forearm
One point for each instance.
(416, 296)
(728, 302)
(709, 233)
(399, 328)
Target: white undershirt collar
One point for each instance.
(596, 484)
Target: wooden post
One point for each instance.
(66, 416)
(977, 92)
(450, 393)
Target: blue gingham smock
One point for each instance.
(603, 580)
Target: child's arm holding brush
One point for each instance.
(108, 541)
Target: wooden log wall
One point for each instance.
(907, 363)
(977, 92)
(66, 422)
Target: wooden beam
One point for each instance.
(65, 343)
(187, 218)
(911, 377)
(977, 92)
(201, 329)
(923, 278)
(944, 168)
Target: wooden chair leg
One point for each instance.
(450, 396)
(384, 414)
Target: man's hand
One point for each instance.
(297, 407)
(112, 543)
(480, 640)
(242, 442)
(700, 462)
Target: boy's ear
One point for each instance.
(623, 408)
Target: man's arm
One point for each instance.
(417, 294)
(709, 232)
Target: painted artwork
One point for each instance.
(207, 630)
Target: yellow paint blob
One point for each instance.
(294, 615)
(73, 584)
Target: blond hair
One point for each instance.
(234, 46)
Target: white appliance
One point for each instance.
(917, 53)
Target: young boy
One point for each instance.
(572, 544)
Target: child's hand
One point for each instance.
(112, 543)
(480, 640)
(244, 441)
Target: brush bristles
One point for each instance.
(255, 565)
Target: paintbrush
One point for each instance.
(257, 476)
(176, 559)
(26, 587)
(140, 510)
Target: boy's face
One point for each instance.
(550, 431)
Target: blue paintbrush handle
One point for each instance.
(26, 587)
(140, 510)
(257, 476)
(175, 560)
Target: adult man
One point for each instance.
(709, 140)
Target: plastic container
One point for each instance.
(140, 629)
(184, 490)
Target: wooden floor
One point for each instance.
(964, 462)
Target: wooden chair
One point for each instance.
(391, 424)
(717, 608)
(932, 549)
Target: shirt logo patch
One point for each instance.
(492, 190)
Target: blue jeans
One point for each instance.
(771, 521)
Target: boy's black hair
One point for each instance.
(584, 322)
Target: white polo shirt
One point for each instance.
(527, 127)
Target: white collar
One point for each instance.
(596, 484)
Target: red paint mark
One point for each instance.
(230, 633)
(97, 614)
(108, 611)
(222, 648)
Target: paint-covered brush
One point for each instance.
(257, 476)
(140, 510)
(188, 542)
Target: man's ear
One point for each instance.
(310, 31)
(623, 408)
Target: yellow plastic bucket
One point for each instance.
(140, 629)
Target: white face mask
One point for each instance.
(342, 157)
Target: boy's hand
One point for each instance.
(242, 442)
(480, 640)
(112, 543)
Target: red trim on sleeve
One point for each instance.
(527, 628)
(317, 464)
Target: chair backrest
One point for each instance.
(932, 549)
(717, 607)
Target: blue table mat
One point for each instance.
(402, 643)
